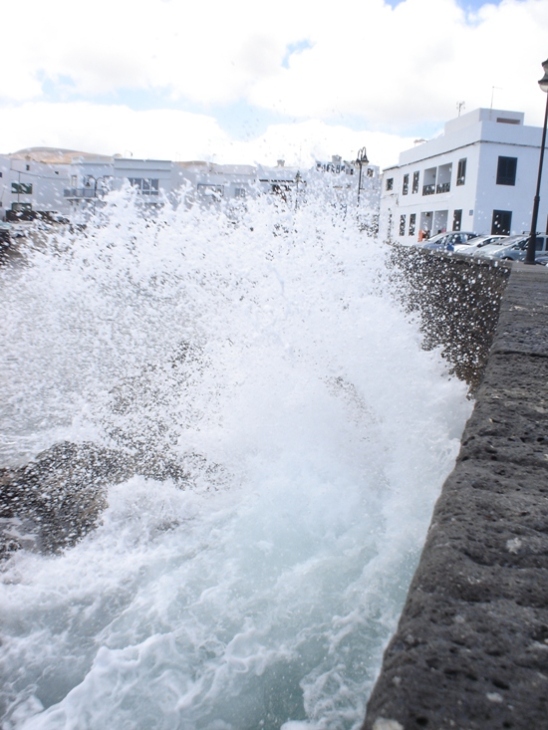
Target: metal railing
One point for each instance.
(80, 193)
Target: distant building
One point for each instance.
(28, 184)
(70, 183)
(479, 175)
(216, 184)
(354, 183)
(93, 177)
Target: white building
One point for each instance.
(71, 183)
(479, 175)
(92, 177)
(216, 184)
(31, 184)
(355, 183)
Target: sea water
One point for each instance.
(266, 352)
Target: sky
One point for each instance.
(250, 81)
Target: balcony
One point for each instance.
(443, 187)
(428, 189)
(79, 193)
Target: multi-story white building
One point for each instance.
(92, 177)
(29, 184)
(479, 175)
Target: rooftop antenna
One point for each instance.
(460, 106)
(492, 95)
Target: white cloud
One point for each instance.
(156, 134)
(304, 142)
(415, 62)
(175, 135)
(392, 70)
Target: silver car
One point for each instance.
(515, 248)
(473, 244)
(448, 241)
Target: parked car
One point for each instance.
(498, 247)
(515, 248)
(472, 244)
(5, 234)
(447, 241)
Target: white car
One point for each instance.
(473, 244)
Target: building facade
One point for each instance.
(28, 185)
(65, 183)
(479, 175)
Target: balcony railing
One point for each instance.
(80, 193)
(87, 193)
(432, 188)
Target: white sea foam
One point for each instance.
(269, 357)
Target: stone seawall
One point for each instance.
(458, 299)
(471, 648)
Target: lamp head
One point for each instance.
(543, 83)
(362, 157)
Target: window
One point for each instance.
(19, 188)
(389, 183)
(239, 192)
(370, 172)
(416, 182)
(506, 170)
(402, 225)
(429, 181)
(443, 178)
(457, 220)
(405, 186)
(412, 223)
(502, 222)
(502, 120)
(215, 192)
(146, 185)
(461, 172)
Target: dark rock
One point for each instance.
(52, 502)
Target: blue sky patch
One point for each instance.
(294, 48)
(468, 5)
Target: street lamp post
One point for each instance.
(298, 179)
(361, 160)
(530, 255)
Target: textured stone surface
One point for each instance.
(458, 299)
(52, 502)
(471, 649)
